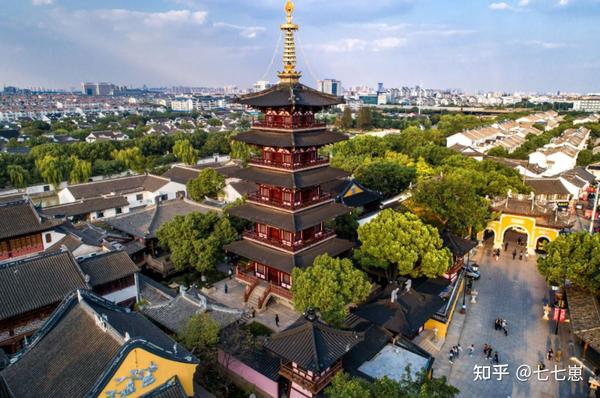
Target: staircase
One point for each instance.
(255, 296)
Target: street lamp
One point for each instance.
(464, 305)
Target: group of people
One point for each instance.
(487, 352)
(502, 325)
(522, 253)
(455, 353)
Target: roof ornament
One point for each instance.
(289, 74)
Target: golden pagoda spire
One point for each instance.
(289, 73)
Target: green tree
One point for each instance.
(346, 121)
(214, 122)
(209, 183)
(17, 175)
(329, 285)
(241, 151)
(185, 152)
(80, 170)
(196, 240)
(498, 151)
(51, 169)
(400, 243)
(386, 176)
(200, 335)
(132, 158)
(585, 157)
(574, 256)
(343, 386)
(364, 119)
(345, 226)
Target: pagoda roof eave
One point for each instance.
(289, 95)
(295, 180)
(290, 139)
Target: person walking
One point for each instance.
(226, 288)
(558, 355)
(485, 349)
(526, 255)
(550, 354)
(496, 360)
(471, 349)
(459, 348)
(277, 320)
(451, 357)
(489, 353)
(521, 255)
(230, 272)
(503, 326)
(506, 246)
(514, 254)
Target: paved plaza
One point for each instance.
(512, 290)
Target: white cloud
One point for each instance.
(42, 2)
(500, 6)
(545, 44)
(249, 32)
(354, 44)
(563, 3)
(524, 3)
(152, 19)
(388, 43)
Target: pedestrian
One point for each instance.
(277, 320)
(506, 246)
(514, 254)
(521, 255)
(230, 272)
(550, 354)
(253, 313)
(489, 354)
(459, 348)
(456, 353)
(226, 288)
(485, 349)
(496, 360)
(541, 365)
(451, 357)
(558, 355)
(526, 255)
(471, 349)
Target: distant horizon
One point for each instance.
(540, 46)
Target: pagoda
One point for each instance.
(289, 209)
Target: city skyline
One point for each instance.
(543, 45)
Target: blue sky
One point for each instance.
(524, 45)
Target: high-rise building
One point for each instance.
(330, 86)
(261, 85)
(98, 89)
(587, 104)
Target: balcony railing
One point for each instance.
(322, 160)
(292, 246)
(300, 124)
(313, 383)
(258, 198)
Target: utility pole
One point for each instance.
(594, 209)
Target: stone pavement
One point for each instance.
(512, 290)
(235, 299)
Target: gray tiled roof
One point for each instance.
(21, 218)
(108, 267)
(290, 95)
(86, 206)
(172, 388)
(117, 185)
(181, 174)
(37, 282)
(313, 345)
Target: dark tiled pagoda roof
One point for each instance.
(290, 139)
(19, 217)
(375, 339)
(286, 261)
(458, 246)
(287, 95)
(172, 388)
(296, 221)
(108, 267)
(296, 180)
(340, 188)
(74, 355)
(37, 282)
(313, 345)
(86, 206)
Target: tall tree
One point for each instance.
(364, 120)
(185, 152)
(575, 257)
(344, 386)
(200, 335)
(329, 285)
(241, 151)
(51, 169)
(17, 176)
(346, 225)
(196, 240)
(209, 183)
(80, 170)
(386, 176)
(132, 158)
(346, 121)
(400, 243)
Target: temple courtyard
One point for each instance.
(512, 290)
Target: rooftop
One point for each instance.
(288, 95)
(116, 186)
(19, 217)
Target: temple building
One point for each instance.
(290, 207)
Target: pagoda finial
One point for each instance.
(289, 73)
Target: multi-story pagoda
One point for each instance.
(289, 209)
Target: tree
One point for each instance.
(346, 121)
(498, 151)
(80, 170)
(241, 151)
(329, 286)
(51, 169)
(132, 158)
(574, 256)
(214, 122)
(209, 183)
(346, 226)
(185, 152)
(196, 240)
(364, 119)
(200, 335)
(17, 176)
(343, 386)
(400, 243)
(386, 176)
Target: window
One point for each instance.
(286, 281)
(46, 188)
(118, 210)
(99, 214)
(139, 197)
(48, 238)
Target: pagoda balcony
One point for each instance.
(314, 383)
(289, 125)
(260, 162)
(291, 247)
(257, 198)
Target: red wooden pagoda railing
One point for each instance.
(282, 292)
(313, 383)
(288, 124)
(257, 197)
(322, 160)
(292, 247)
